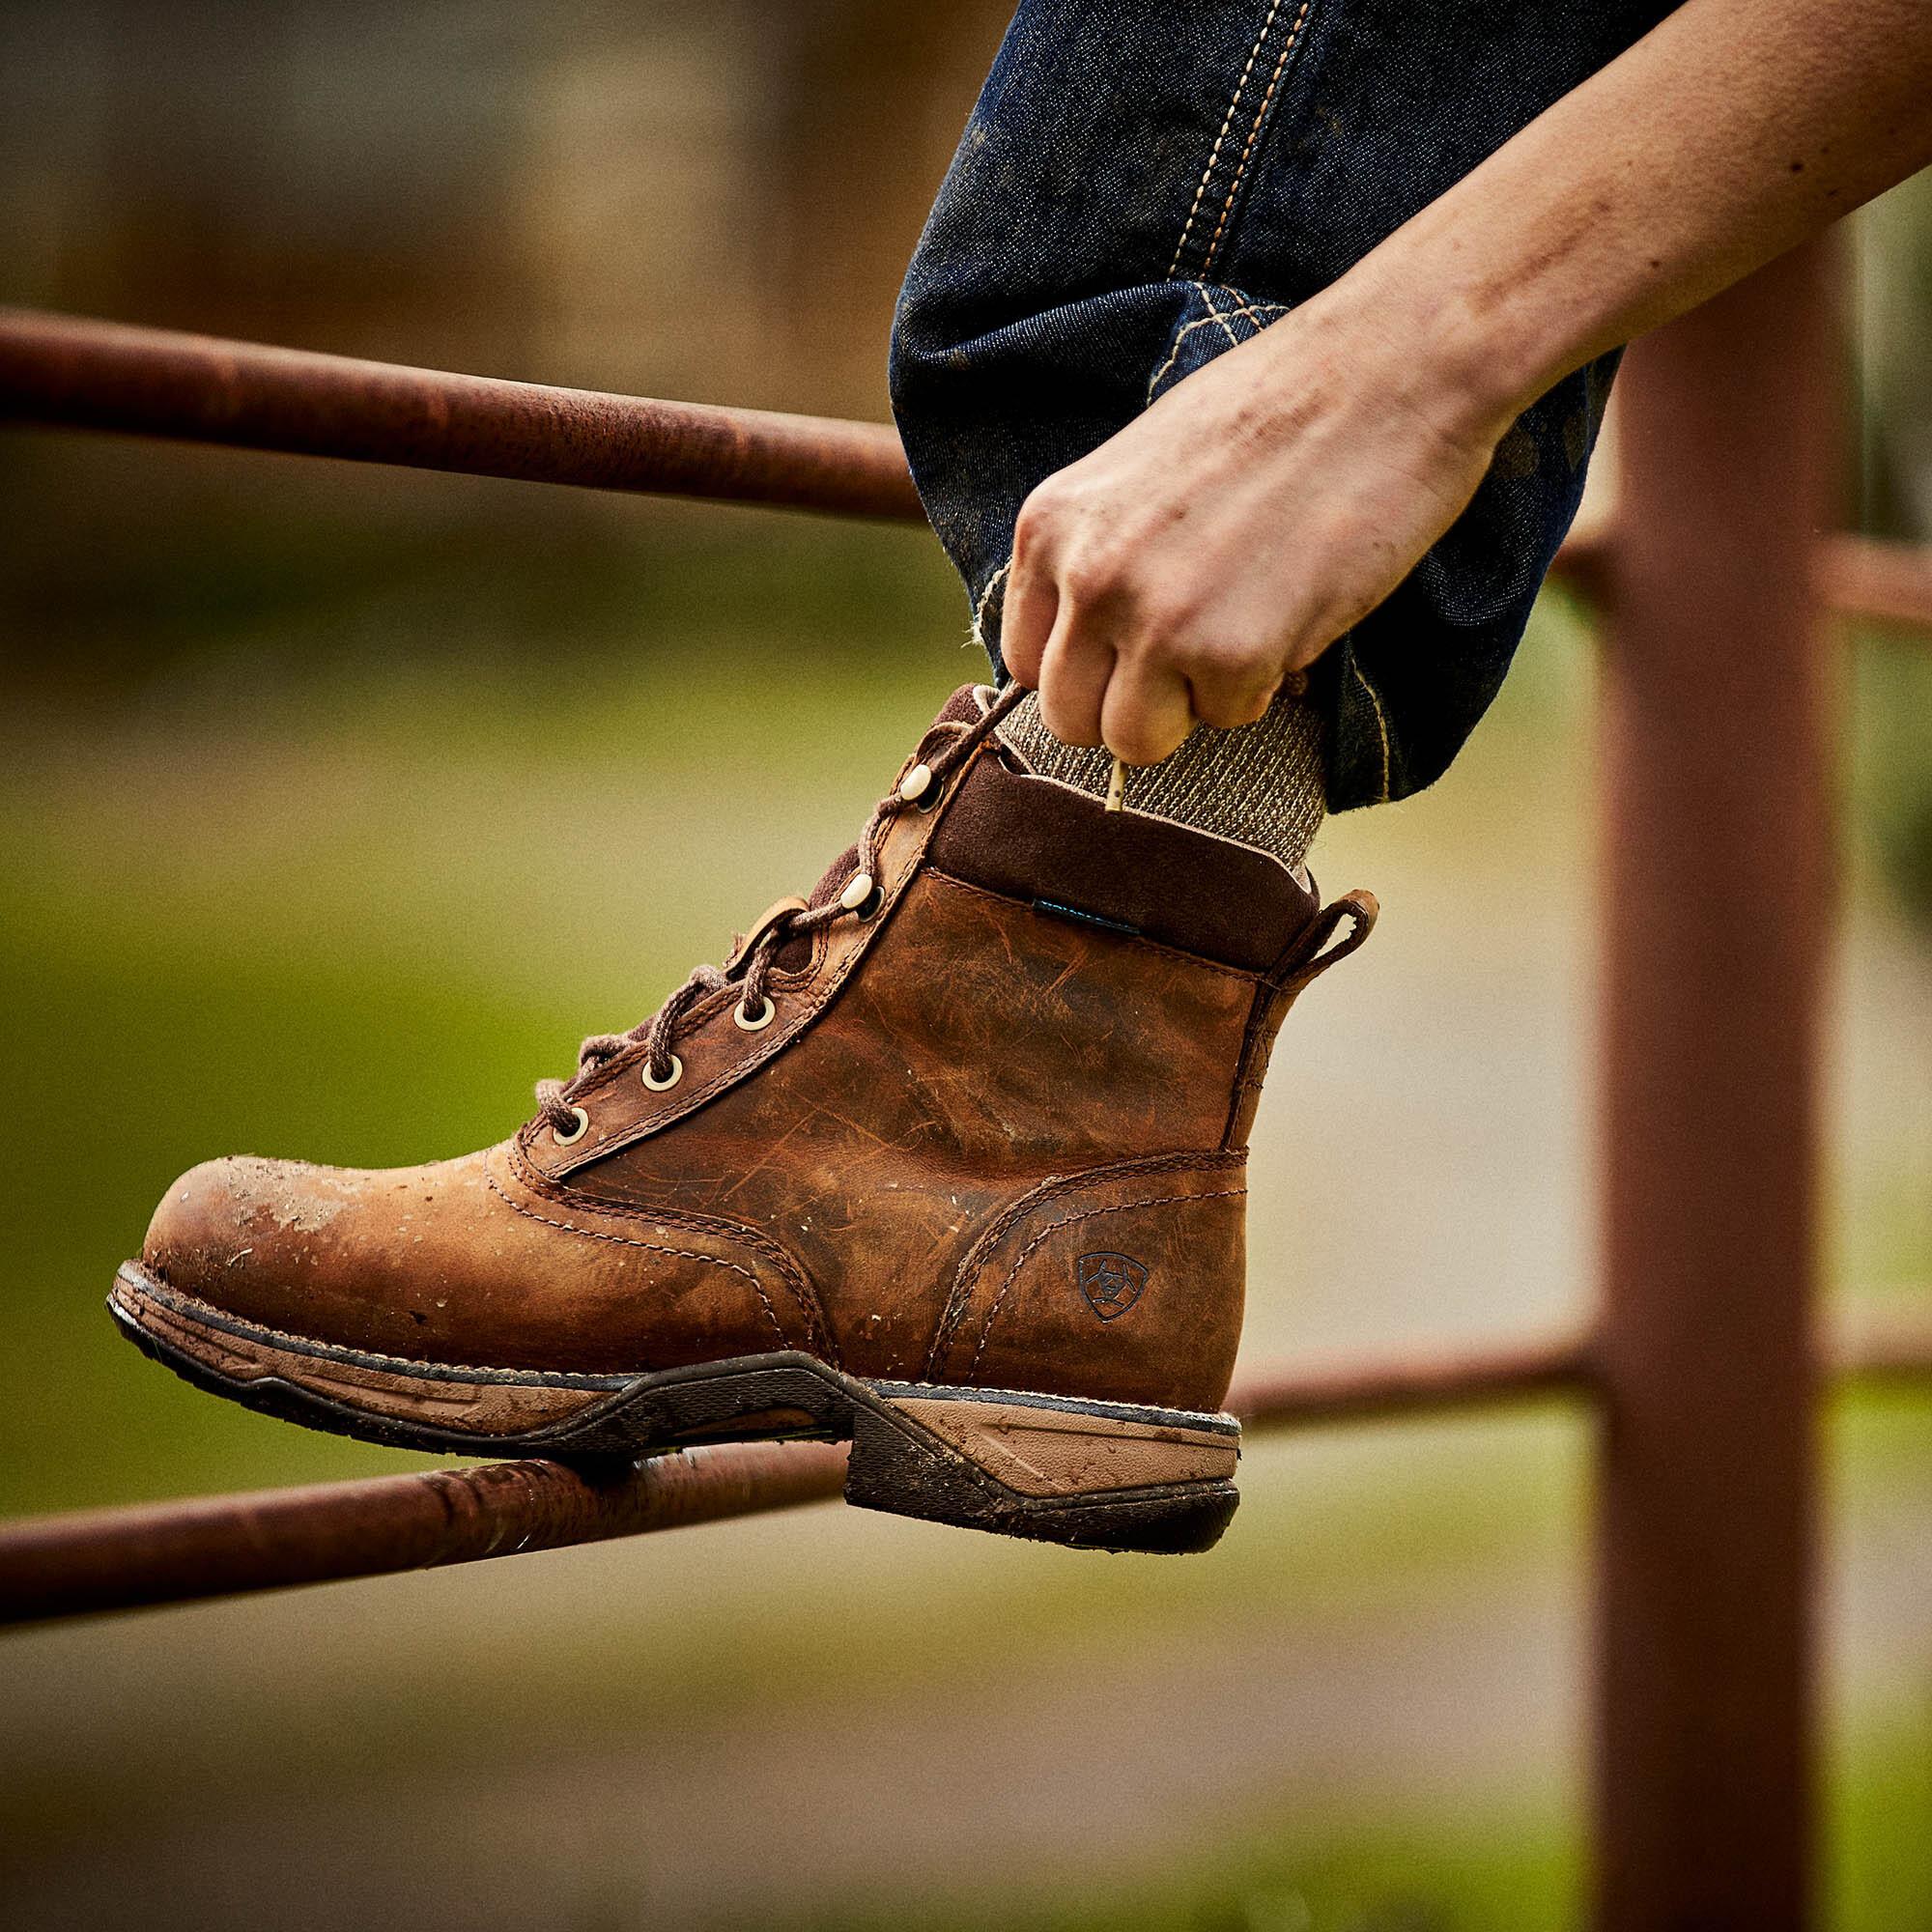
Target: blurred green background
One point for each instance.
(339, 802)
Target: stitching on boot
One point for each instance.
(798, 1284)
(1087, 1214)
(179, 1301)
(1257, 1047)
(962, 1298)
(791, 1025)
(655, 1247)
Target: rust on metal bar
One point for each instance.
(1716, 896)
(177, 1552)
(67, 372)
(217, 1546)
(1882, 582)
(1418, 1383)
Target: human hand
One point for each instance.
(1219, 543)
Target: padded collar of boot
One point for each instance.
(1034, 838)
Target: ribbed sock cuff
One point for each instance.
(1263, 786)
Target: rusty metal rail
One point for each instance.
(71, 372)
(217, 1546)
(65, 372)
(206, 1547)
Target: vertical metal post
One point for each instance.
(1718, 900)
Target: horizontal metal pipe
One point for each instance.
(1893, 1348)
(1855, 578)
(170, 1553)
(215, 1545)
(67, 372)
(1882, 582)
(1421, 1383)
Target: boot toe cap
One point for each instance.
(208, 1223)
(263, 1240)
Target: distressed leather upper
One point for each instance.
(990, 1137)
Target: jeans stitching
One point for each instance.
(1381, 719)
(1220, 139)
(1249, 311)
(1248, 146)
(1215, 315)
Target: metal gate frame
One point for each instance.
(1716, 913)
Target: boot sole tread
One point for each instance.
(1068, 1469)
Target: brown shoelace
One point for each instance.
(659, 1035)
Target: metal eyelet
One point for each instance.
(666, 1085)
(862, 895)
(576, 1133)
(759, 1023)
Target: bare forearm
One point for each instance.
(1265, 505)
(1731, 132)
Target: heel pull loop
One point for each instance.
(1311, 955)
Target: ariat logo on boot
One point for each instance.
(1111, 1283)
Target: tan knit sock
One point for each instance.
(1264, 784)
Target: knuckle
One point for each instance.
(1169, 617)
(1032, 528)
(1089, 576)
(1228, 711)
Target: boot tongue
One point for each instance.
(832, 882)
(966, 706)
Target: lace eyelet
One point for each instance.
(749, 1023)
(918, 788)
(576, 1133)
(666, 1085)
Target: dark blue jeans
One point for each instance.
(1145, 184)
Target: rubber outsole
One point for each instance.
(1086, 1474)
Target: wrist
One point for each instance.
(1477, 309)
(1409, 337)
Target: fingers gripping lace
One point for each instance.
(659, 1035)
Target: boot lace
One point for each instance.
(660, 1034)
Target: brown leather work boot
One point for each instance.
(949, 1160)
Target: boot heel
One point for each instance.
(1091, 1474)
